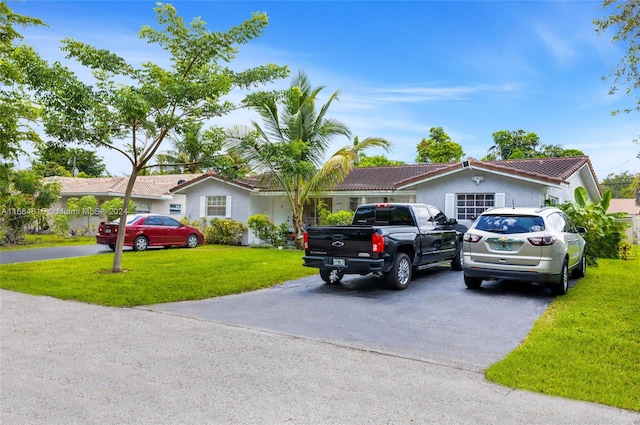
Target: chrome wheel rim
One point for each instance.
(403, 272)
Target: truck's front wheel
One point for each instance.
(400, 274)
(331, 276)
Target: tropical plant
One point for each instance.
(144, 105)
(114, 208)
(24, 199)
(288, 150)
(605, 236)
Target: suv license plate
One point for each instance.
(107, 230)
(503, 247)
(339, 262)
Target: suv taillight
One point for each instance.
(377, 242)
(542, 241)
(471, 237)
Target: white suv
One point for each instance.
(539, 245)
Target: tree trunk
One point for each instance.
(117, 258)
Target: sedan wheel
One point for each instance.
(192, 241)
(140, 243)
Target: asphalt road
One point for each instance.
(302, 352)
(40, 254)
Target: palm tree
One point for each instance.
(288, 150)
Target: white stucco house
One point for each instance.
(461, 189)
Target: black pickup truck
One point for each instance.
(390, 240)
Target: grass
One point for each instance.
(45, 241)
(586, 346)
(156, 276)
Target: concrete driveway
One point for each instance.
(302, 352)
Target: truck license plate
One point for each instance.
(339, 262)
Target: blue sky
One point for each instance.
(471, 67)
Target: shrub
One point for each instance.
(605, 235)
(263, 227)
(340, 218)
(267, 232)
(224, 231)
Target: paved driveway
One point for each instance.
(302, 352)
(436, 319)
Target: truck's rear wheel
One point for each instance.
(456, 262)
(331, 276)
(400, 274)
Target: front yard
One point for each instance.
(585, 346)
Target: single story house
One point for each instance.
(632, 211)
(462, 190)
(150, 194)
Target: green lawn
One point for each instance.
(156, 276)
(586, 345)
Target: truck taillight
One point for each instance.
(377, 242)
(306, 240)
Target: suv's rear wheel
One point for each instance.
(400, 274)
(472, 282)
(581, 269)
(562, 286)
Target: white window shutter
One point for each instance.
(499, 199)
(449, 205)
(203, 206)
(227, 212)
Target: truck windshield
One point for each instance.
(387, 215)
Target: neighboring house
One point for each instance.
(632, 211)
(462, 189)
(150, 194)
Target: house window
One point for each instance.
(471, 205)
(175, 209)
(552, 200)
(353, 204)
(216, 206)
(143, 207)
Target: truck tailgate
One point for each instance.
(340, 241)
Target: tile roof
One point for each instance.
(553, 170)
(151, 186)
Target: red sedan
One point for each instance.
(145, 230)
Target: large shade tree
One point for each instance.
(288, 150)
(624, 20)
(142, 105)
(17, 110)
(438, 148)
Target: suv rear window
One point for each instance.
(509, 224)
